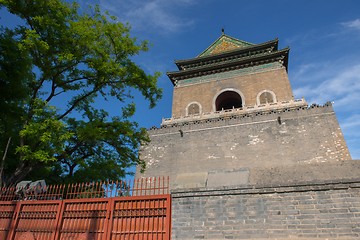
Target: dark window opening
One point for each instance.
(228, 100)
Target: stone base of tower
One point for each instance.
(272, 174)
(310, 210)
(194, 153)
(245, 159)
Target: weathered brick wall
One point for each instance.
(249, 85)
(303, 136)
(325, 210)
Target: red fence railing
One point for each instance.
(136, 187)
(138, 209)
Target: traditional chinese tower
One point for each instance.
(234, 116)
(231, 74)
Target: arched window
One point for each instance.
(228, 100)
(193, 109)
(265, 97)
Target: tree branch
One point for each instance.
(69, 151)
(52, 93)
(77, 101)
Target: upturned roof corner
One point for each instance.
(227, 54)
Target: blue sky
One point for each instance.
(323, 36)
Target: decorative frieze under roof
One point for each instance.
(227, 54)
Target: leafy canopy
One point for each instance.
(59, 54)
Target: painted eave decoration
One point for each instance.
(224, 43)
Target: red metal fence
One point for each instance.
(111, 210)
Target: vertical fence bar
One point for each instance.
(58, 219)
(124, 217)
(168, 218)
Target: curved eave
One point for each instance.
(250, 60)
(272, 43)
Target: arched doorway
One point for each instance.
(228, 100)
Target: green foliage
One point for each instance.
(44, 136)
(61, 55)
(15, 79)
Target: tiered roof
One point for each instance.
(227, 54)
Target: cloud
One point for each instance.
(351, 122)
(331, 72)
(355, 24)
(159, 16)
(338, 84)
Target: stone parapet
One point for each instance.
(277, 176)
(235, 116)
(263, 108)
(326, 185)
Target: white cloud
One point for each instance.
(339, 82)
(341, 85)
(352, 24)
(351, 122)
(151, 15)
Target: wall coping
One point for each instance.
(236, 118)
(306, 186)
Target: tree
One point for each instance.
(78, 59)
(15, 76)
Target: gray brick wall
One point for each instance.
(304, 135)
(310, 211)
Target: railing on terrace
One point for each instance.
(237, 111)
(102, 189)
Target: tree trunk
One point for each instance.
(20, 173)
(3, 163)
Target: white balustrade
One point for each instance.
(237, 111)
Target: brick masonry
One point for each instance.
(316, 210)
(298, 136)
(259, 173)
(275, 80)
